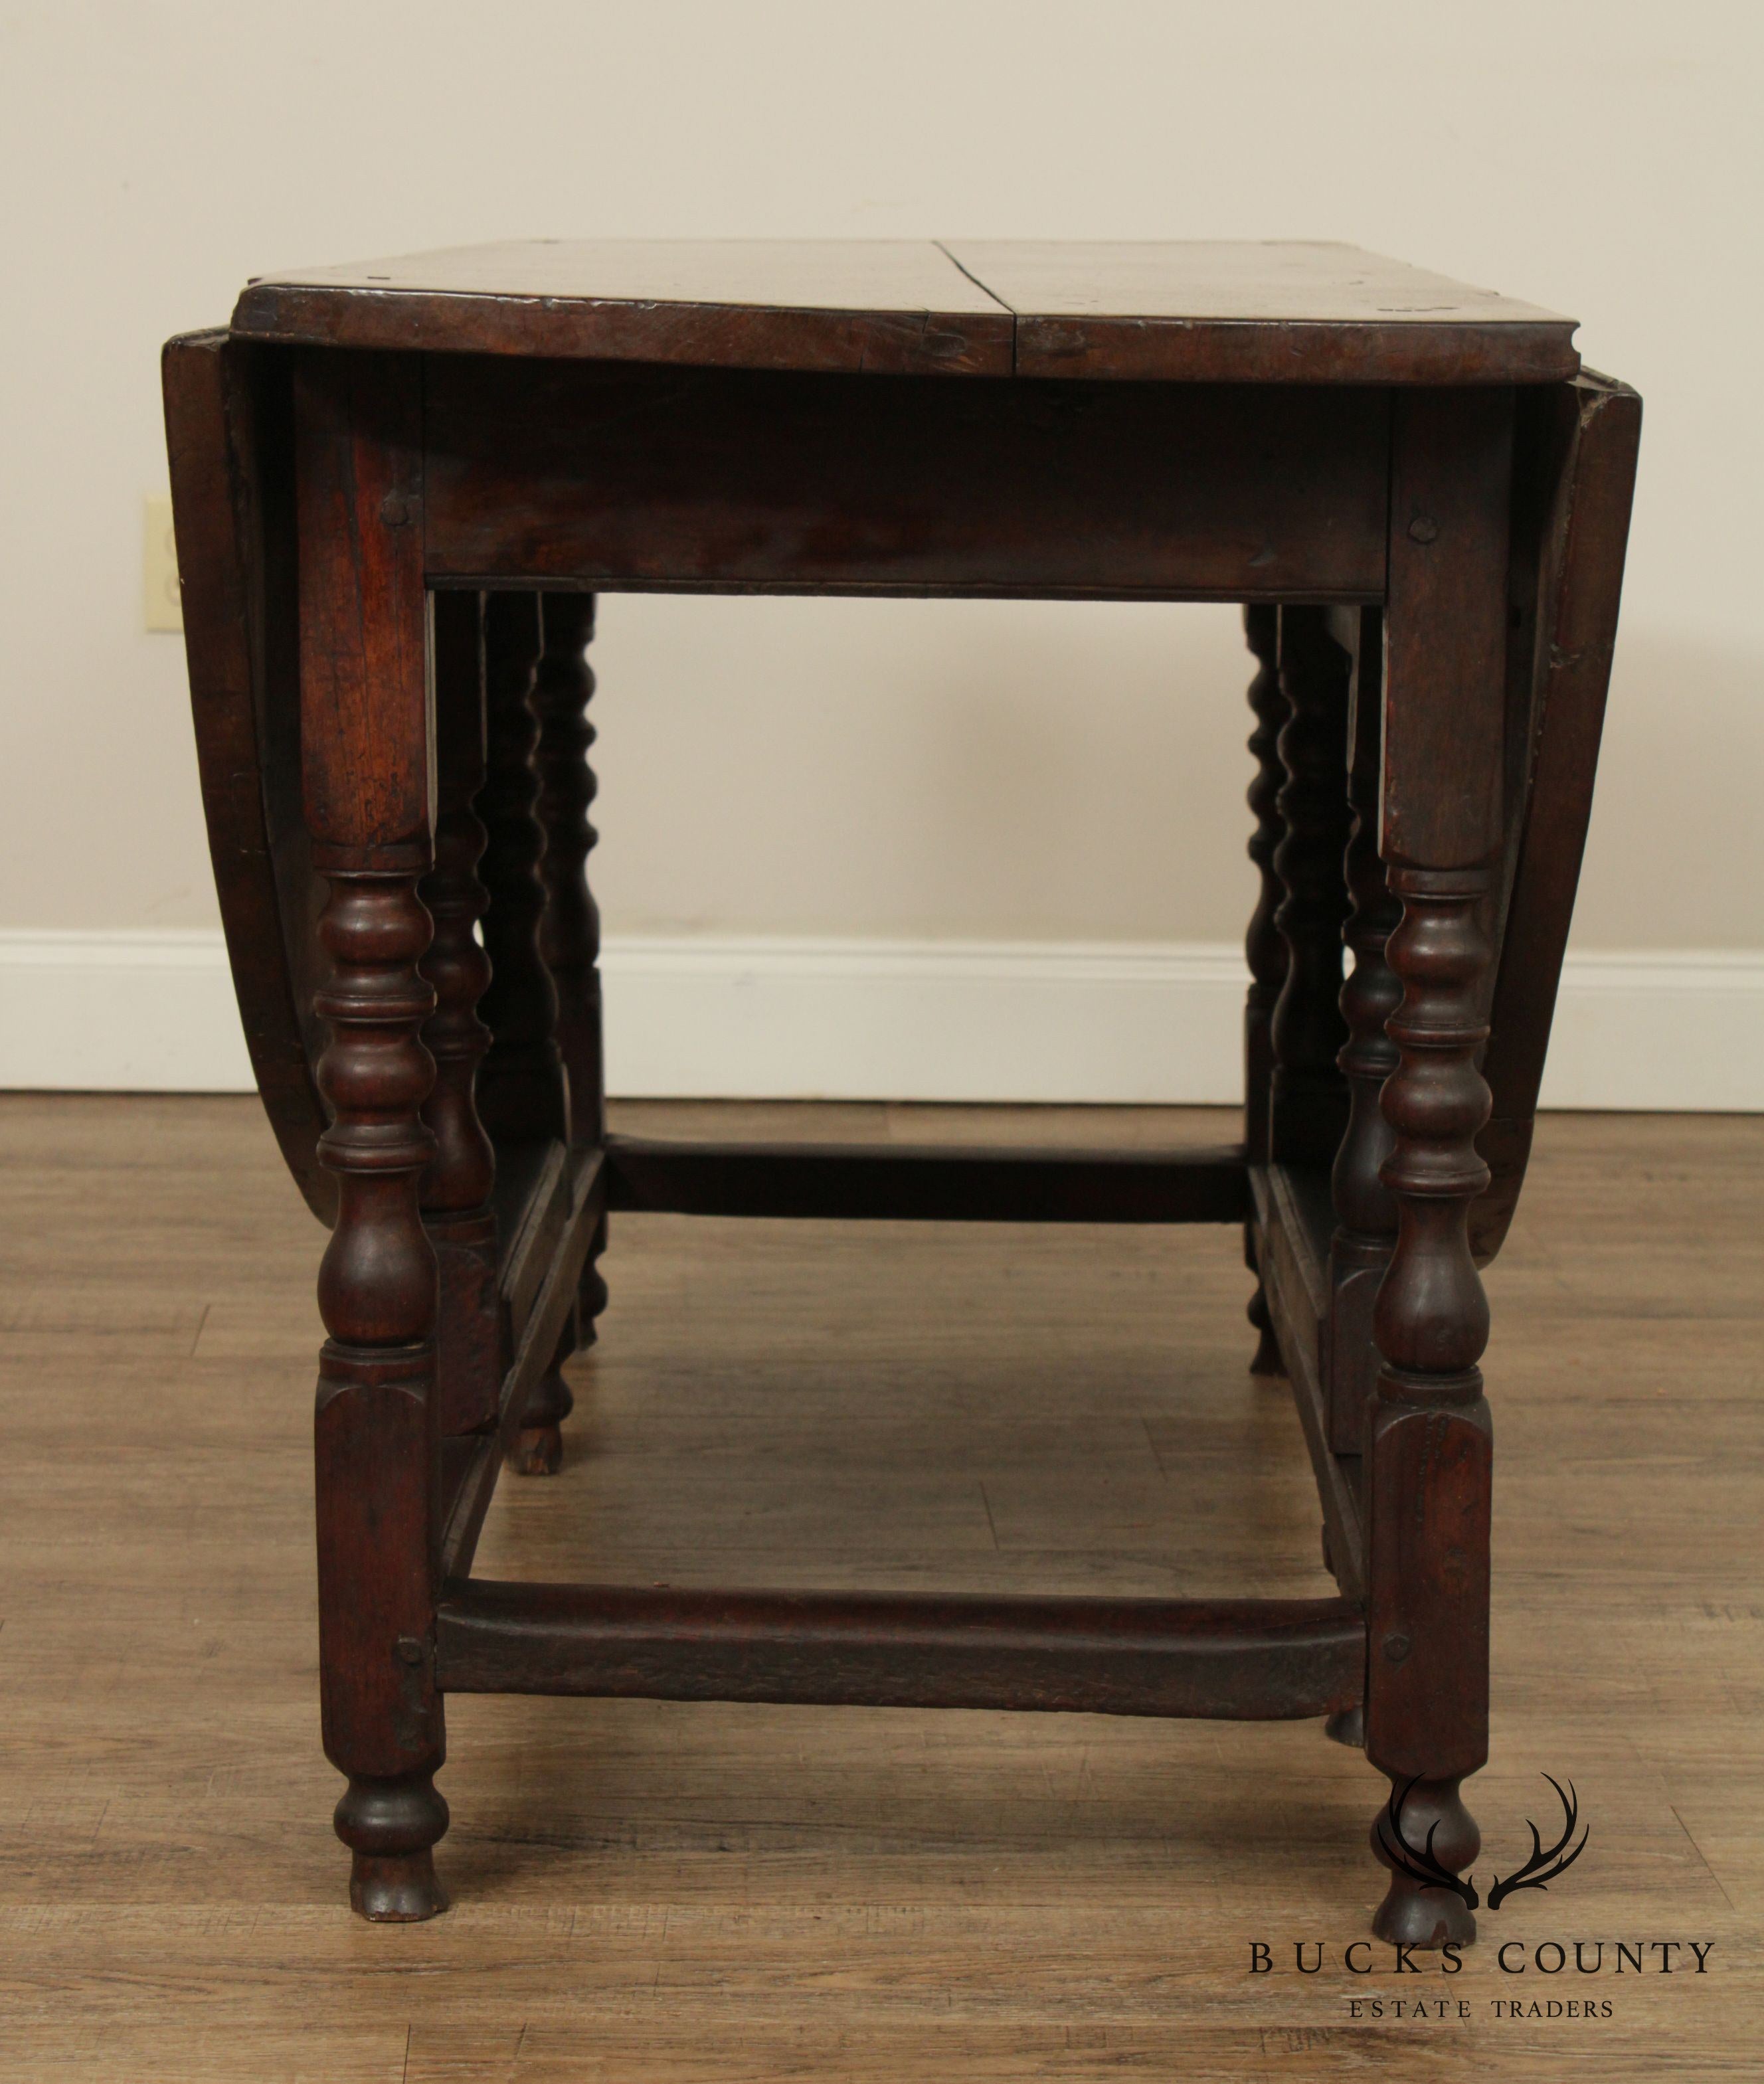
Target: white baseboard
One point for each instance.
(153, 1011)
(144, 1010)
(925, 1020)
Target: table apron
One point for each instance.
(633, 478)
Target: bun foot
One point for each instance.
(1267, 1359)
(1426, 1918)
(1424, 1830)
(391, 1827)
(537, 1451)
(538, 1448)
(399, 1890)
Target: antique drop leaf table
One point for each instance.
(399, 487)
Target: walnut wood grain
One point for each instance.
(1445, 645)
(542, 1265)
(1289, 1229)
(1324, 436)
(1182, 310)
(227, 419)
(1259, 311)
(1580, 449)
(228, 441)
(592, 478)
(1227, 1659)
(365, 740)
(1428, 1441)
(884, 305)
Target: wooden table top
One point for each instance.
(1183, 311)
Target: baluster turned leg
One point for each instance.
(365, 743)
(569, 933)
(456, 1191)
(522, 1093)
(1263, 947)
(1308, 1099)
(1428, 1441)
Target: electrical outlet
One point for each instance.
(160, 591)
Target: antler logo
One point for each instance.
(1542, 1867)
(1420, 1864)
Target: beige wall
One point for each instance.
(1051, 771)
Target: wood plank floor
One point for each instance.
(652, 1890)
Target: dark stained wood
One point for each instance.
(1365, 1213)
(1428, 1438)
(366, 748)
(457, 1207)
(569, 926)
(1344, 441)
(521, 1092)
(1178, 310)
(227, 425)
(463, 1173)
(570, 931)
(590, 477)
(1228, 1659)
(533, 1189)
(377, 1483)
(932, 1184)
(1289, 1231)
(1264, 950)
(1260, 311)
(524, 1088)
(1428, 1443)
(1584, 438)
(260, 841)
(364, 695)
(557, 1256)
(1451, 475)
(537, 1447)
(884, 305)
(1308, 1106)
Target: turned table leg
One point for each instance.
(569, 932)
(1365, 1209)
(456, 1190)
(365, 732)
(1428, 1442)
(1263, 947)
(1308, 1107)
(523, 1092)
